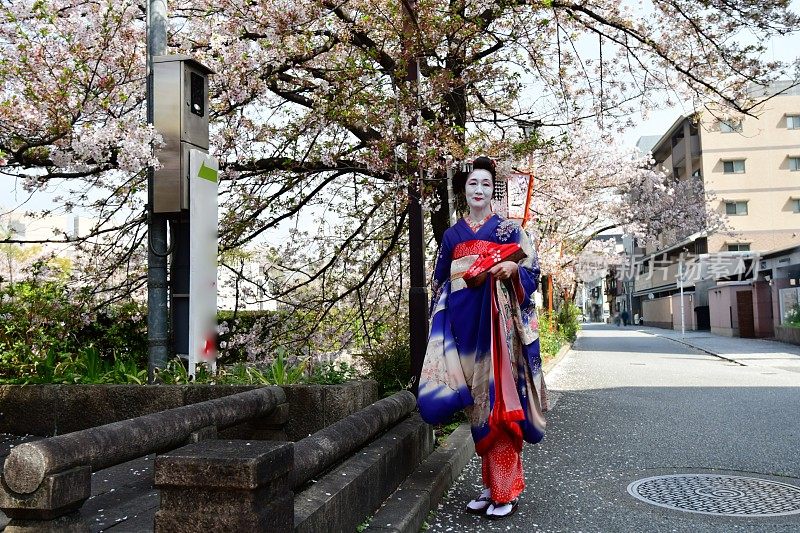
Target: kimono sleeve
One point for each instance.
(441, 272)
(528, 271)
(443, 259)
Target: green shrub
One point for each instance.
(567, 321)
(550, 340)
(793, 317)
(556, 330)
(85, 367)
(118, 331)
(49, 333)
(389, 360)
(334, 373)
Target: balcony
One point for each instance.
(679, 150)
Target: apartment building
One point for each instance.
(750, 170)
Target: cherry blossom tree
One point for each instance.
(314, 110)
(587, 184)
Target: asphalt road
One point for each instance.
(628, 406)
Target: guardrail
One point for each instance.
(48, 478)
(316, 453)
(236, 485)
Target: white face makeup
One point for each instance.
(478, 189)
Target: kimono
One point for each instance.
(483, 348)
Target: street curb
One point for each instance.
(562, 352)
(694, 347)
(406, 509)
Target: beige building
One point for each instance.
(750, 170)
(752, 167)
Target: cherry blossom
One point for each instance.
(314, 116)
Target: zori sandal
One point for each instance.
(481, 503)
(496, 511)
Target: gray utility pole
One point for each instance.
(157, 251)
(680, 280)
(418, 294)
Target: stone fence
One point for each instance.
(49, 410)
(46, 479)
(260, 486)
(226, 458)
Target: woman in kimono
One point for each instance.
(483, 347)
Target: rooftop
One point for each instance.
(646, 143)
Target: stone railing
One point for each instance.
(236, 485)
(51, 477)
(329, 480)
(317, 452)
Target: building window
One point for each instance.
(794, 163)
(795, 205)
(740, 247)
(793, 122)
(733, 167)
(736, 208)
(730, 126)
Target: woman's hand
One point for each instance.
(504, 270)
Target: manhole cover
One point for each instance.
(718, 494)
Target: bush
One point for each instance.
(51, 333)
(334, 373)
(793, 317)
(567, 321)
(389, 361)
(556, 330)
(550, 340)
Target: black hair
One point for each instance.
(460, 178)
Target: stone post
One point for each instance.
(57, 495)
(226, 485)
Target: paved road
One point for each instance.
(630, 405)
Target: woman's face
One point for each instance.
(478, 191)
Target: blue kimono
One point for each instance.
(483, 347)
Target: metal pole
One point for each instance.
(629, 289)
(157, 331)
(680, 280)
(417, 294)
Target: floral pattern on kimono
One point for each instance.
(483, 346)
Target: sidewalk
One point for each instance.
(635, 405)
(746, 352)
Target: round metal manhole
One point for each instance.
(719, 494)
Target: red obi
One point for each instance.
(489, 254)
